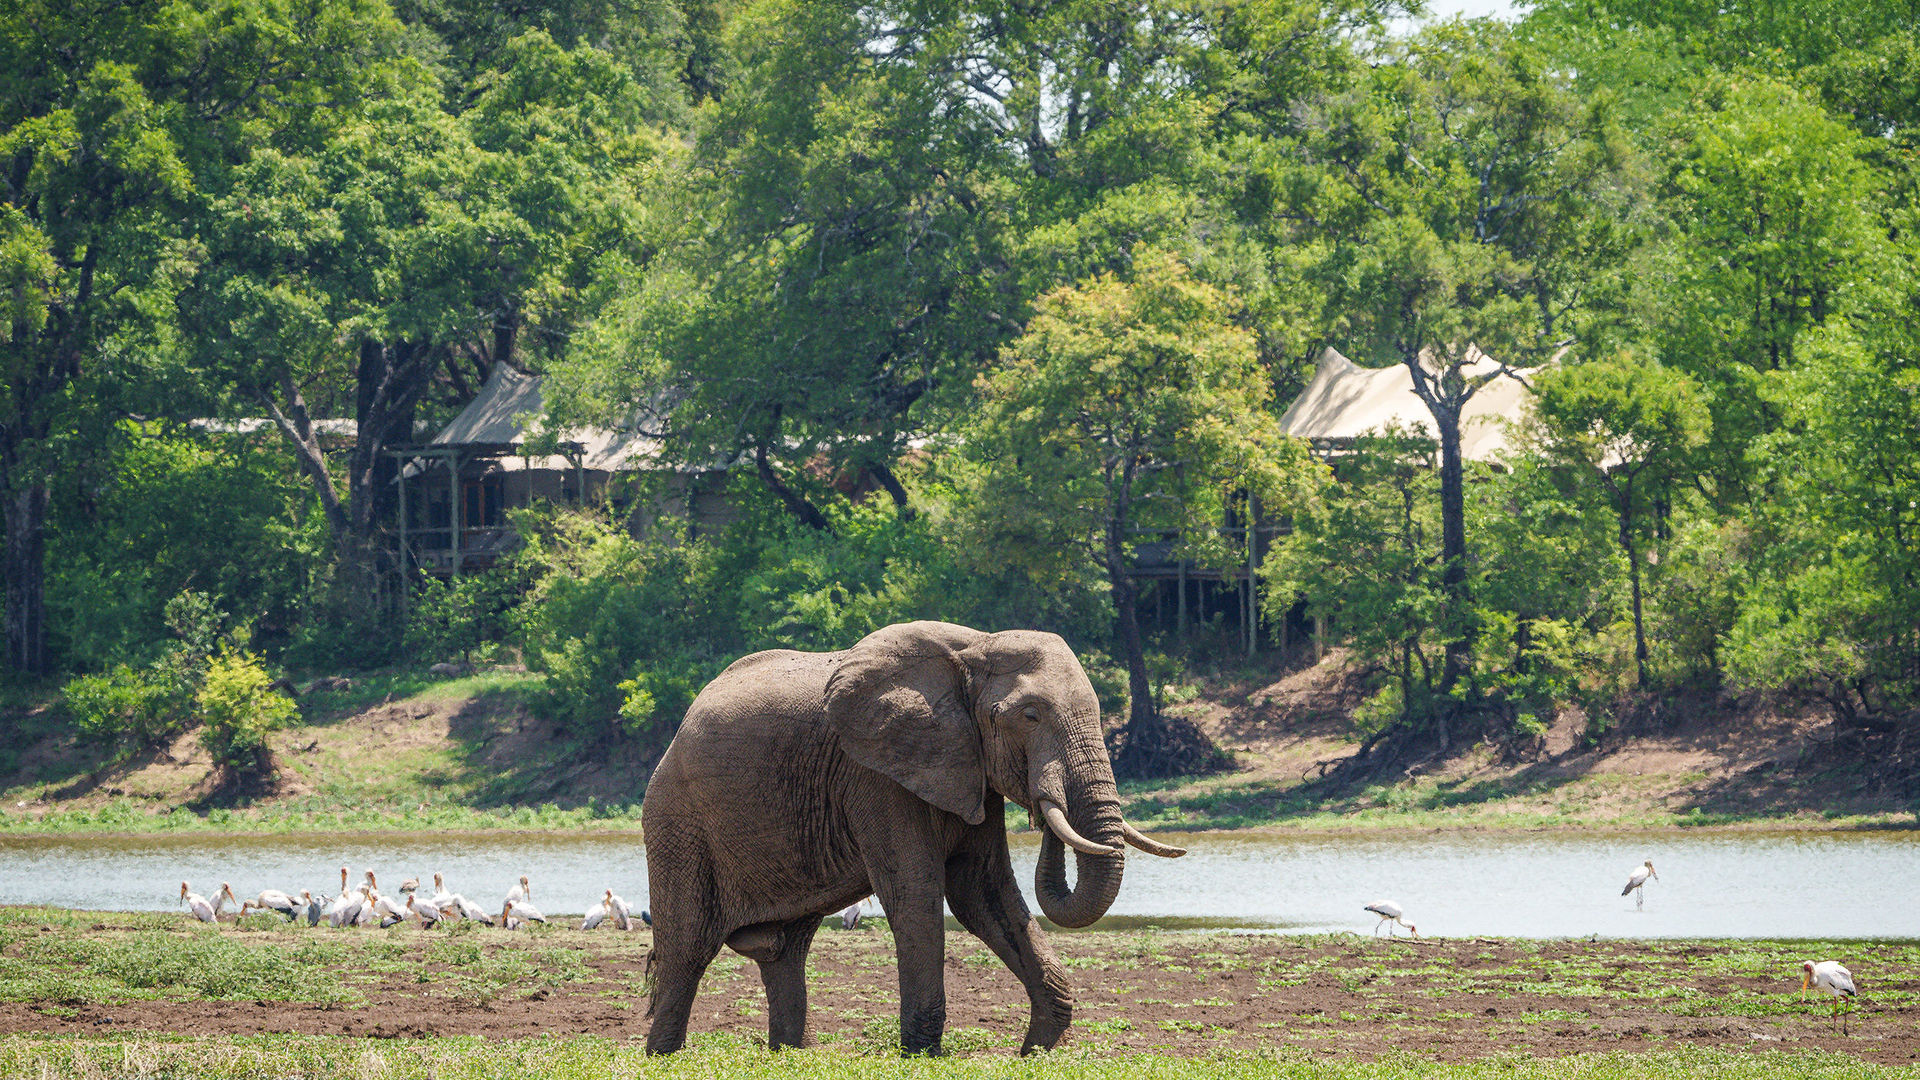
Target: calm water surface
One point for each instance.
(1785, 885)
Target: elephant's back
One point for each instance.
(758, 688)
(752, 717)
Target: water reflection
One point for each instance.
(1521, 885)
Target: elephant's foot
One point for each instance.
(920, 1032)
(1047, 1025)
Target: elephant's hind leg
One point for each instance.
(986, 900)
(785, 975)
(677, 967)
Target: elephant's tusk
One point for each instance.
(1057, 821)
(1152, 847)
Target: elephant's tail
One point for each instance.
(649, 985)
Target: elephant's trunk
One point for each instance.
(1091, 806)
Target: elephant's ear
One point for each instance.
(901, 704)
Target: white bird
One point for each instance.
(346, 896)
(597, 914)
(850, 918)
(197, 904)
(350, 908)
(443, 899)
(452, 905)
(521, 911)
(1390, 913)
(388, 912)
(422, 909)
(272, 900)
(1828, 975)
(1638, 878)
(470, 910)
(622, 911)
(522, 891)
(312, 907)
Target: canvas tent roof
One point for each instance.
(1345, 401)
(507, 412)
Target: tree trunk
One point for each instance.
(883, 473)
(1633, 577)
(1458, 623)
(795, 503)
(26, 516)
(1153, 745)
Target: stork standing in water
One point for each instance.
(1828, 975)
(1638, 878)
(1390, 913)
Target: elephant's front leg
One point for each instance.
(986, 899)
(920, 938)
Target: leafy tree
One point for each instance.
(1836, 596)
(403, 242)
(1361, 554)
(164, 513)
(1474, 204)
(883, 189)
(1126, 406)
(1773, 214)
(111, 119)
(1628, 426)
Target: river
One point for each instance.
(1559, 884)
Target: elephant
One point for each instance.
(801, 782)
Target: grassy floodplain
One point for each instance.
(156, 995)
(593, 1058)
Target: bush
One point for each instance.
(219, 513)
(129, 706)
(467, 616)
(240, 707)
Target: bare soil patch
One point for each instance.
(1658, 758)
(1137, 991)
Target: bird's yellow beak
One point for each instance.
(1805, 981)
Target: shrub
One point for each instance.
(469, 615)
(129, 706)
(240, 707)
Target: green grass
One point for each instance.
(592, 1058)
(1426, 804)
(318, 815)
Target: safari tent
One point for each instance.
(1345, 401)
(456, 489)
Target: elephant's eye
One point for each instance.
(1033, 714)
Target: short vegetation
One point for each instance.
(966, 317)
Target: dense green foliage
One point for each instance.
(971, 304)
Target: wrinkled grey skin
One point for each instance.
(801, 782)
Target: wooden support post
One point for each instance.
(1319, 638)
(1253, 599)
(453, 510)
(406, 556)
(1182, 617)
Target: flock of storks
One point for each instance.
(1827, 975)
(366, 905)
